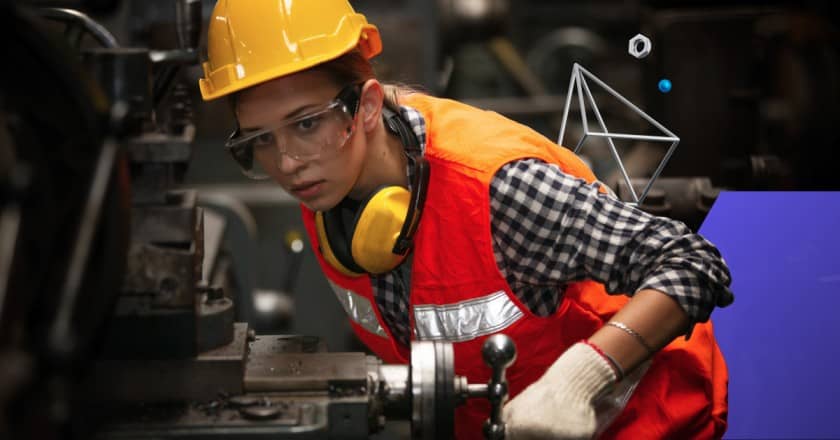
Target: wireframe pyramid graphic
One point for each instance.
(578, 86)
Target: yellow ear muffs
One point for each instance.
(377, 229)
(366, 246)
(382, 229)
(324, 243)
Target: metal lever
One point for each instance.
(499, 352)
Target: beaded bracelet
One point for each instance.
(633, 333)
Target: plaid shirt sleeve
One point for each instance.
(550, 229)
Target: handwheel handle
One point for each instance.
(499, 353)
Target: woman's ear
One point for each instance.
(370, 104)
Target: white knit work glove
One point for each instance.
(559, 405)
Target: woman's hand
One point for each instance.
(560, 405)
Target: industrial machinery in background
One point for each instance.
(111, 327)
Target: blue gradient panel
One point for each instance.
(781, 336)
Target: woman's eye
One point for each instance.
(264, 139)
(308, 124)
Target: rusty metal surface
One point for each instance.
(275, 344)
(167, 274)
(270, 417)
(307, 371)
(271, 370)
(293, 391)
(168, 271)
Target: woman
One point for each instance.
(435, 220)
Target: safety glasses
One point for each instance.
(303, 138)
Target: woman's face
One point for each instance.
(316, 152)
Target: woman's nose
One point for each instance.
(288, 164)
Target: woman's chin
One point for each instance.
(319, 204)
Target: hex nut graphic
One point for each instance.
(639, 46)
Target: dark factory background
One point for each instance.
(753, 96)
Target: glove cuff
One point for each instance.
(584, 372)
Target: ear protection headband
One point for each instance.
(375, 236)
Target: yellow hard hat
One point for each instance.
(252, 41)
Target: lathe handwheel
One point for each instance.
(432, 387)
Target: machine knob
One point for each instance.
(499, 352)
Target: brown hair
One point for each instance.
(352, 67)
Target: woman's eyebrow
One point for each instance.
(295, 113)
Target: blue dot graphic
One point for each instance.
(664, 85)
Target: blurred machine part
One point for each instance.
(686, 198)
(161, 298)
(762, 82)
(68, 181)
(464, 20)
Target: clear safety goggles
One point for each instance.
(303, 138)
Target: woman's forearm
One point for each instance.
(654, 316)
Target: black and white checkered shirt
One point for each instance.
(551, 229)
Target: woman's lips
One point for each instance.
(307, 190)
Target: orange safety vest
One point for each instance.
(458, 294)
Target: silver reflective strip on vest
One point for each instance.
(465, 320)
(359, 309)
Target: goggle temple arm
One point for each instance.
(350, 96)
